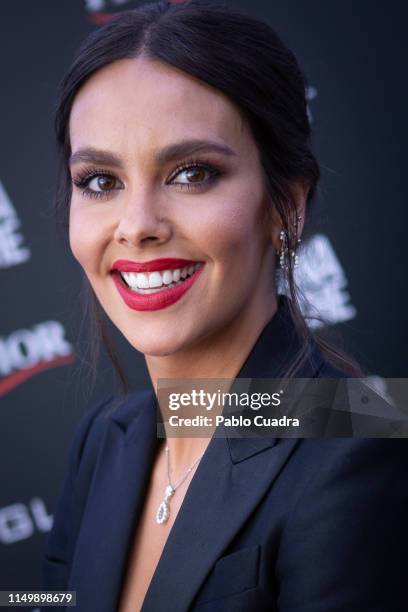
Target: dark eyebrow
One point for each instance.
(169, 153)
(95, 156)
(187, 147)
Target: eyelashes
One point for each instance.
(83, 180)
(105, 179)
(192, 164)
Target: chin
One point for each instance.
(155, 347)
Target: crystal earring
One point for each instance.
(287, 255)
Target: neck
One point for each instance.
(220, 356)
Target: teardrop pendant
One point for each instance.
(163, 513)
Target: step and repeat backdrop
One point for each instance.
(353, 268)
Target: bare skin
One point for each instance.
(150, 537)
(132, 109)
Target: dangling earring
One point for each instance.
(287, 255)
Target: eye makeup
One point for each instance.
(83, 178)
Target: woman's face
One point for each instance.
(145, 191)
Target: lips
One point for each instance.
(125, 265)
(160, 298)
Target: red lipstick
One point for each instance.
(160, 298)
(169, 263)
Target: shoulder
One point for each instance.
(348, 481)
(339, 457)
(93, 424)
(321, 366)
(326, 370)
(350, 513)
(93, 419)
(346, 470)
(80, 464)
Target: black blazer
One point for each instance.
(297, 525)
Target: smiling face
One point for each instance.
(138, 197)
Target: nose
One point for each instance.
(140, 223)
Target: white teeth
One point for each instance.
(130, 278)
(176, 275)
(155, 280)
(142, 280)
(126, 276)
(167, 277)
(158, 290)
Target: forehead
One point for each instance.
(150, 103)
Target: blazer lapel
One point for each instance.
(115, 500)
(222, 494)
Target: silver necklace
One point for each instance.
(163, 511)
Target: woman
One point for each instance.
(187, 176)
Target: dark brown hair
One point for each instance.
(245, 59)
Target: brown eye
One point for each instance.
(97, 184)
(195, 175)
(102, 182)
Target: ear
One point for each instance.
(299, 190)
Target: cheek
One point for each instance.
(233, 234)
(85, 239)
